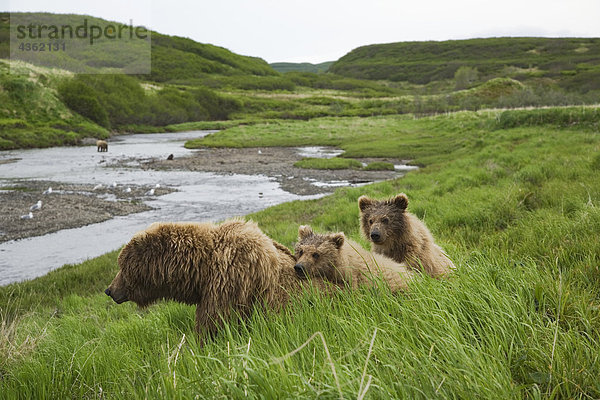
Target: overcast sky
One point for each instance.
(324, 30)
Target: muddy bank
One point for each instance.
(72, 205)
(68, 206)
(276, 162)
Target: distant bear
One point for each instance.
(102, 145)
(402, 236)
(219, 268)
(339, 260)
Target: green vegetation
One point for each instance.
(301, 67)
(201, 86)
(588, 117)
(31, 115)
(359, 87)
(379, 166)
(515, 207)
(195, 58)
(53, 107)
(571, 62)
(511, 195)
(119, 100)
(396, 136)
(342, 163)
(192, 58)
(328, 163)
(402, 137)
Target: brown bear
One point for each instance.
(398, 234)
(219, 268)
(342, 261)
(102, 145)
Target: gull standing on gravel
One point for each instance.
(98, 186)
(27, 216)
(128, 190)
(48, 191)
(114, 185)
(150, 192)
(36, 206)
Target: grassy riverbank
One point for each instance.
(515, 206)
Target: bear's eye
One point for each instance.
(385, 220)
(315, 256)
(300, 252)
(370, 222)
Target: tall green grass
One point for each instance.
(516, 209)
(328, 163)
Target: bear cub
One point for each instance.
(400, 235)
(335, 258)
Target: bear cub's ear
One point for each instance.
(337, 239)
(305, 231)
(364, 202)
(400, 201)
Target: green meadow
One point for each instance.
(513, 197)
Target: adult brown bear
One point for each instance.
(219, 268)
(102, 145)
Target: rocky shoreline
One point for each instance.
(275, 162)
(68, 206)
(73, 205)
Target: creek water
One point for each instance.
(199, 197)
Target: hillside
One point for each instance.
(284, 67)
(44, 106)
(31, 112)
(202, 86)
(574, 63)
(172, 57)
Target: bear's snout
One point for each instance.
(299, 268)
(375, 236)
(119, 296)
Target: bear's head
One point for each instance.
(117, 289)
(380, 220)
(136, 280)
(318, 255)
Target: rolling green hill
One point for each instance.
(42, 106)
(574, 63)
(172, 57)
(202, 86)
(301, 67)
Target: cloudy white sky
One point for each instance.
(323, 30)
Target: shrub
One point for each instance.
(19, 89)
(569, 116)
(465, 76)
(81, 98)
(119, 101)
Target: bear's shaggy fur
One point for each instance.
(342, 261)
(219, 268)
(398, 234)
(102, 145)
